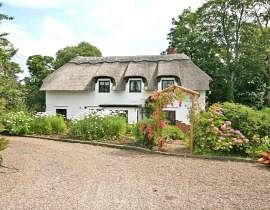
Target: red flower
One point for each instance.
(180, 103)
(150, 132)
(162, 124)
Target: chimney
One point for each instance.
(171, 50)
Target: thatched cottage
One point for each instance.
(122, 83)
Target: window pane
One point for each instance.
(135, 86)
(104, 86)
(167, 83)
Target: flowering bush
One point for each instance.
(250, 121)
(214, 133)
(145, 132)
(17, 123)
(99, 125)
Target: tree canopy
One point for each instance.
(10, 88)
(229, 40)
(39, 67)
(82, 49)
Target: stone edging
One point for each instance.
(144, 150)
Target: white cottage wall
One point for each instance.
(77, 102)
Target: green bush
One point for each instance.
(262, 145)
(250, 121)
(57, 123)
(95, 127)
(145, 132)
(232, 129)
(214, 133)
(40, 125)
(172, 133)
(2, 128)
(48, 125)
(17, 123)
(3, 143)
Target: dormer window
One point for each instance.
(135, 86)
(166, 83)
(104, 86)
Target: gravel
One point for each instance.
(44, 174)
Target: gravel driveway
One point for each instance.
(44, 174)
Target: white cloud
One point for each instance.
(54, 35)
(35, 4)
(134, 26)
(116, 27)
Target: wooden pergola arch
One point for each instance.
(194, 96)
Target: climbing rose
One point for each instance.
(150, 132)
(162, 124)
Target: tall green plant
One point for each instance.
(95, 127)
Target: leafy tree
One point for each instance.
(39, 67)
(261, 15)
(10, 89)
(82, 49)
(223, 38)
(188, 36)
(223, 20)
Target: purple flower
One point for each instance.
(223, 127)
(237, 141)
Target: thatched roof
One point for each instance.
(80, 73)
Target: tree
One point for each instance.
(188, 36)
(82, 49)
(223, 38)
(11, 94)
(39, 67)
(261, 15)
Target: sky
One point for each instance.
(116, 27)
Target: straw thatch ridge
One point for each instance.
(138, 58)
(81, 73)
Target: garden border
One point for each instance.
(144, 150)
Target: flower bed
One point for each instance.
(99, 125)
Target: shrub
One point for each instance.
(214, 133)
(2, 128)
(172, 133)
(250, 121)
(17, 123)
(42, 124)
(263, 144)
(3, 143)
(94, 127)
(58, 124)
(145, 132)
